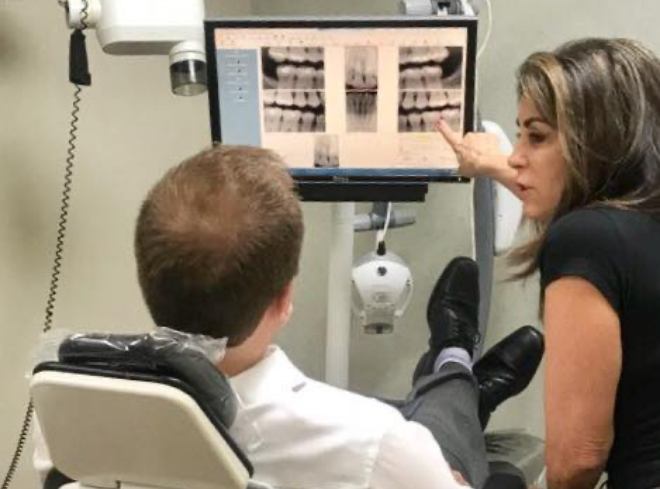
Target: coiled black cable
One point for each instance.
(55, 274)
(57, 261)
(64, 213)
(20, 446)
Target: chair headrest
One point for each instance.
(149, 354)
(149, 384)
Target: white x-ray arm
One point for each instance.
(149, 27)
(440, 7)
(507, 207)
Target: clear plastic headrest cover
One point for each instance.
(160, 340)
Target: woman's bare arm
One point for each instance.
(583, 366)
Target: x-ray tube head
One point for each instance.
(188, 69)
(382, 289)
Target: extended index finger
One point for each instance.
(452, 137)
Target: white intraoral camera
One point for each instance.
(382, 289)
(161, 27)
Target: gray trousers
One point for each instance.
(447, 403)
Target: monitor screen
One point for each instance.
(349, 98)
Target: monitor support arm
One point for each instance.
(440, 7)
(375, 219)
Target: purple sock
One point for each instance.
(453, 354)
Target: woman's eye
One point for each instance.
(536, 138)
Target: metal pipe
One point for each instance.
(339, 295)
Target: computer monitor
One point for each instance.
(344, 100)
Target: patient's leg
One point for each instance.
(446, 402)
(445, 395)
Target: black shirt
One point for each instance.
(619, 253)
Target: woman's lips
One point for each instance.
(523, 188)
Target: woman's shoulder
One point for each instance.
(588, 243)
(606, 234)
(600, 222)
(587, 223)
(585, 235)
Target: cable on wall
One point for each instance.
(78, 75)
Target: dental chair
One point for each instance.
(136, 412)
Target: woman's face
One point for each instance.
(539, 163)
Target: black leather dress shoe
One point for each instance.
(507, 368)
(452, 312)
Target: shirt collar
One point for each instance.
(273, 376)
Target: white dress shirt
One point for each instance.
(303, 434)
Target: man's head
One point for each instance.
(218, 240)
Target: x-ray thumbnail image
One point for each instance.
(294, 111)
(361, 75)
(419, 111)
(299, 68)
(362, 111)
(326, 151)
(430, 67)
(361, 68)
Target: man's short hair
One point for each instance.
(217, 240)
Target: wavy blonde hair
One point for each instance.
(603, 98)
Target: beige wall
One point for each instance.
(131, 129)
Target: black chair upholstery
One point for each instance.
(504, 481)
(147, 354)
(56, 479)
(150, 359)
(505, 476)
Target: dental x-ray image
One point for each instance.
(326, 151)
(293, 80)
(293, 68)
(294, 111)
(361, 88)
(419, 111)
(430, 87)
(430, 67)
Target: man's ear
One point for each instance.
(284, 302)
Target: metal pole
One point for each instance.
(339, 295)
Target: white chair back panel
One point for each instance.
(107, 429)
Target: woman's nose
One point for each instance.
(516, 160)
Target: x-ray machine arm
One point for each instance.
(149, 27)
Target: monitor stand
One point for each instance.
(321, 191)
